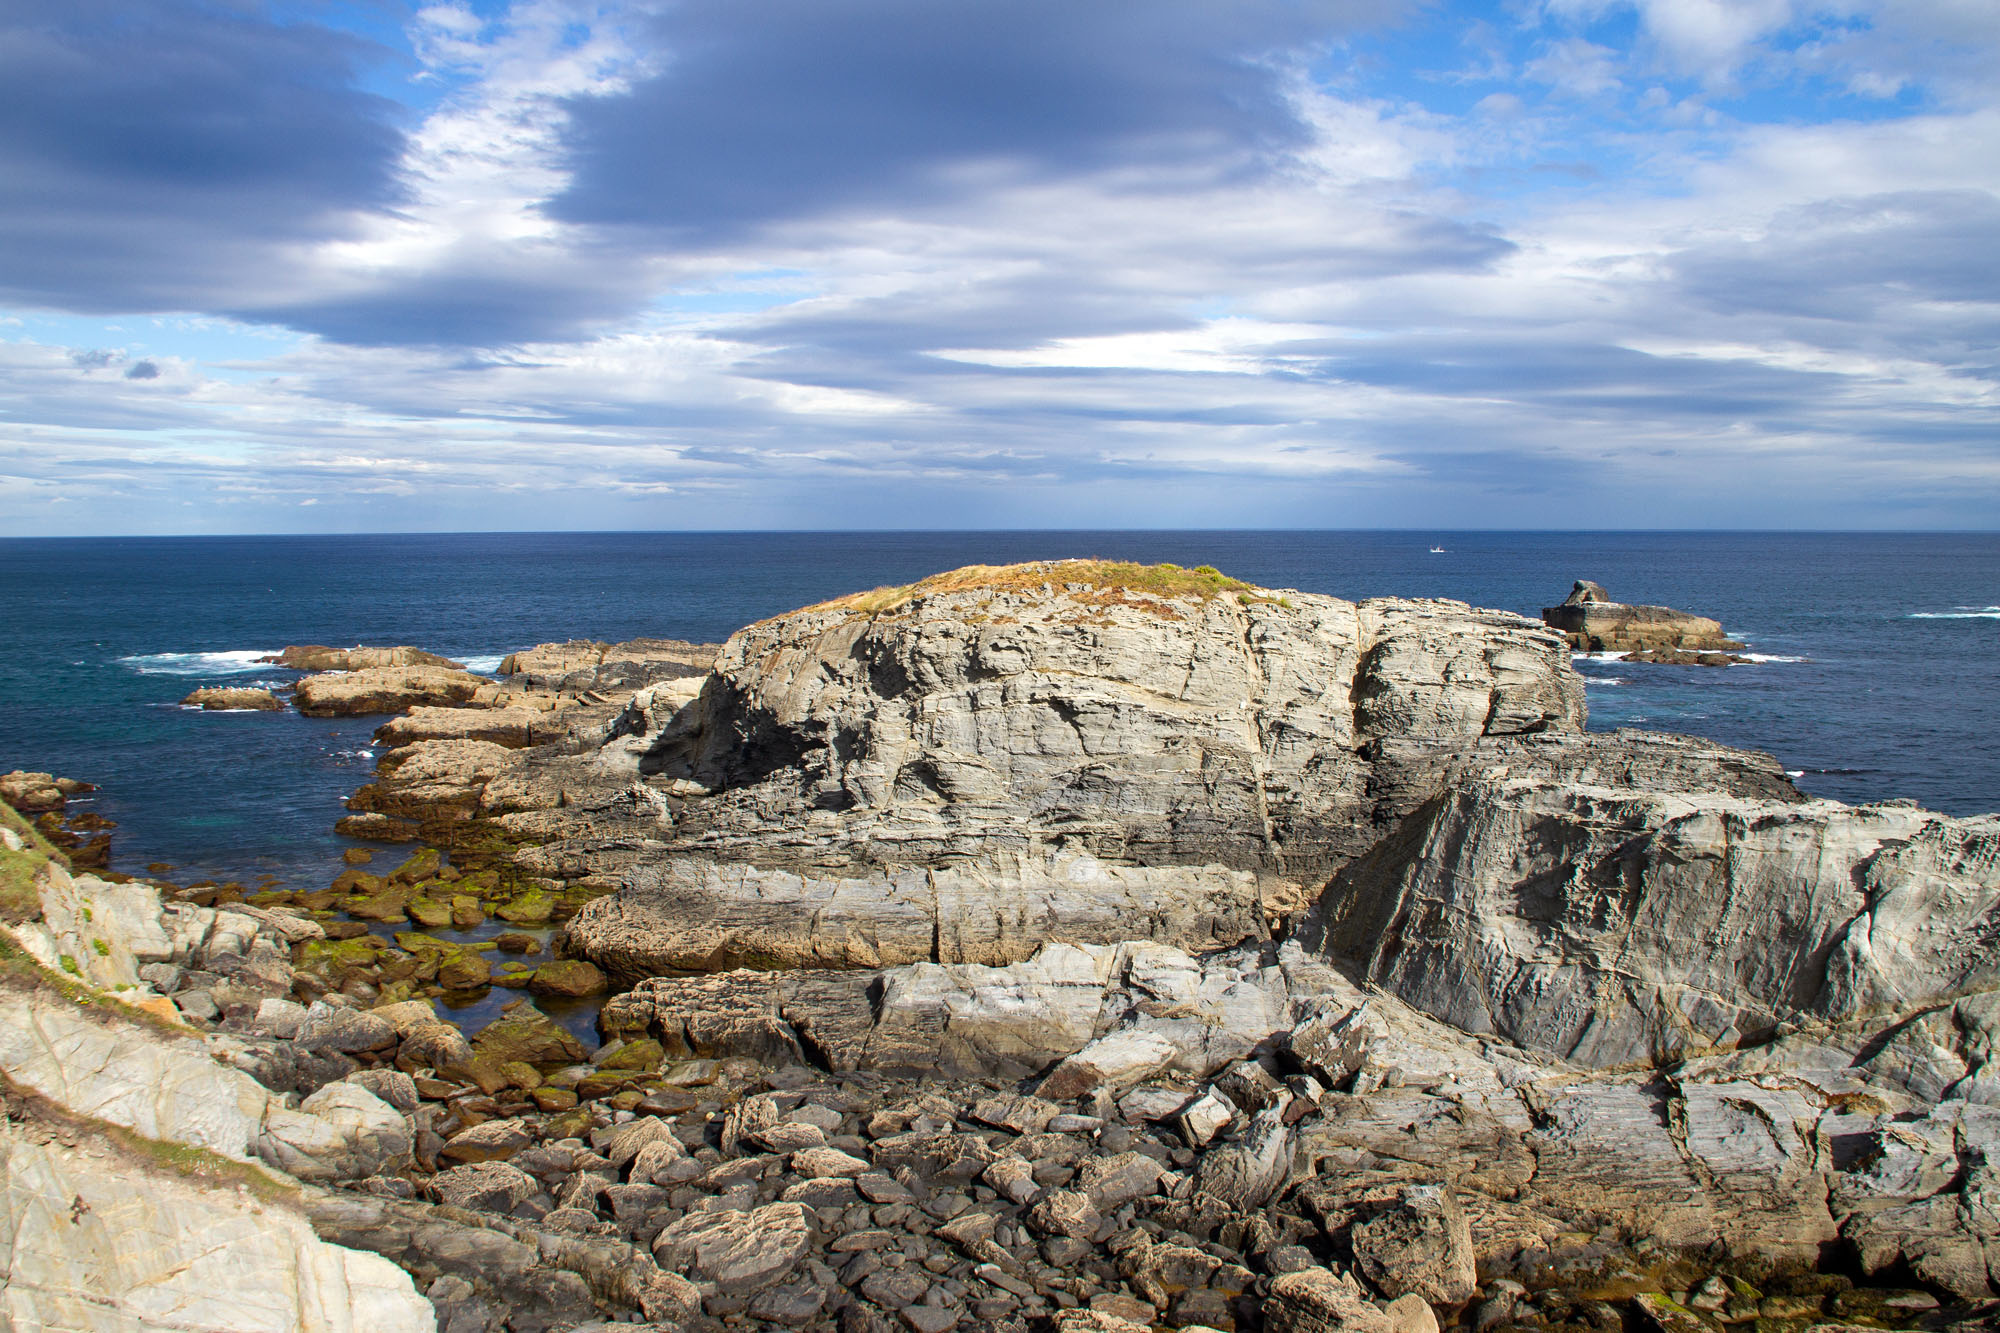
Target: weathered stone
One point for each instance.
(740, 1252)
(1421, 1246)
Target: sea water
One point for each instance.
(1876, 674)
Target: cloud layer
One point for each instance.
(881, 262)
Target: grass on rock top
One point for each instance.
(1163, 580)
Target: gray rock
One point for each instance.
(493, 1187)
(1199, 756)
(740, 1252)
(1729, 905)
(1420, 1246)
(324, 1028)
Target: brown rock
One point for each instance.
(217, 699)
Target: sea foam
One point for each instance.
(1958, 613)
(234, 663)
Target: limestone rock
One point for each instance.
(513, 728)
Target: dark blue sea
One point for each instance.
(1878, 676)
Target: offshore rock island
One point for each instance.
(1071, 946)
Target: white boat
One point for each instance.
(1437, 550)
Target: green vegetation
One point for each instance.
(1103, 576)
(103, 949)
(18, 899)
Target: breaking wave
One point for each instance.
(235, 663)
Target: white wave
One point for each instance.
(233, 663)
(1597, 657)
(1795, 772)
(1958, 613)
(486, 664)
(1606, 680)
(1770, 657)
(354, 754)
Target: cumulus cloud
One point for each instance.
(873, 262)
(163, 154)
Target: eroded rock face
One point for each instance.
(1635, 915)
(996, 758)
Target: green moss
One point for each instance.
(69, 966)
(103, 949)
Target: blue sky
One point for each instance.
(523, 264)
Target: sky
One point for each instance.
(307, 266)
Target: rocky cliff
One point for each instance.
(992, 758)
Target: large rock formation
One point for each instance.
(1632, 899)
(1594, 623)
(991, 758)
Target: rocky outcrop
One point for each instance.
(997, 757)
(388, 689)
(38, 793)
(1676, 901)
(317, 657)
(1594, 623)
(224, 699)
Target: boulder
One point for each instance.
(573, 978)
(525, 1033)
(740, 1252)
(1419, 1246)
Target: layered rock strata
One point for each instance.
(993, 758)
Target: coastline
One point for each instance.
(775, 1116)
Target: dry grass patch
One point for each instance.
(1104, 577)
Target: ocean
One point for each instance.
(1877, 672)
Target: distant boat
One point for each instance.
(1437, 550)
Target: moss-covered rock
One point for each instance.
(571, 977)
(552, 1099)
(430, 913)
(464, 970)
(421, 865)
(466, 912)
(533, 908)
(643, 1056)
(523, 1032)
